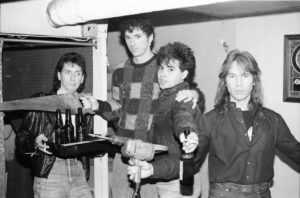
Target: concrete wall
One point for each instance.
(263, 37)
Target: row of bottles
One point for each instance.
(64, 134)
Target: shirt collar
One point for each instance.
(256, 108)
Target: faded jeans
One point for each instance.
(66, 180)
(122, 187)
(171, 189)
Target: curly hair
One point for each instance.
(183, 54)
(145, 25)
(71, 57)
(249, 64)
(130, 25)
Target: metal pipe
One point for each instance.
(88, 44)
(69, 12)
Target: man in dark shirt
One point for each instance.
(241, 134)
(176, 69)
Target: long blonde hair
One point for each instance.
(248, 62)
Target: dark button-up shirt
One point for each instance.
(233, 157)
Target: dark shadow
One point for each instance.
(19, 175)
(14, 118)
(19, 180)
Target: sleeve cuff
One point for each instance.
(103, 107)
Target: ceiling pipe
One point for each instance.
(70, 12)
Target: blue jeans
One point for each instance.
(122, 187)
(171, 189)
(218, 190)
(66, 180)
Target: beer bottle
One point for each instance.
(80, 136)
(58, 128)
(186, 170)
(80, 126)
(69, 128)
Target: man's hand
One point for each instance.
(188, 95)
(190, 143)
(40, 143)
(89, 101)
(146, 168)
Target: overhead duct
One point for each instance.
(70, 12)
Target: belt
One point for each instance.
(232, 187)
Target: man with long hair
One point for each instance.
(241, 134)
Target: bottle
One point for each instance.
(80, 126)
(58, 128)
(80, 136)
(186, 170)
(69, 128)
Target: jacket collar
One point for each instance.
(170, 91)
(232, 106)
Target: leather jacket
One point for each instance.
(35, 123)
(171, 118)
(235, 158)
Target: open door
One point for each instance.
(27, 63)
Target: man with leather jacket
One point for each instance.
(56, 177)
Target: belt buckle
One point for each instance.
(262, 187)
(243, 189)
(248, 188)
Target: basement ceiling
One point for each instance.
(246, 8)
(216, 11)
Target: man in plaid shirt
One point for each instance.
(134, 99)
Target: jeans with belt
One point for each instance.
(66, 180)
(232, 190)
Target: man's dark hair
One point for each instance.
(74, 58)
(130, 25)
(182, 53)
(145, 25)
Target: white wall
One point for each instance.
(263, 37)
(204, 39)
(30, 17)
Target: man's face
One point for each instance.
(239, 84)
(71, 77)
(138, 42)
(170, 75)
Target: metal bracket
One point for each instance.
(89, 30)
